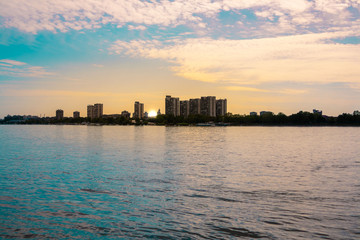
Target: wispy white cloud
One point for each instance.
(20, 69)
(11, 62)
(311, 58)
(63, 15)
(140, 27)
(53, 93)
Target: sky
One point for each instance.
(273, 55)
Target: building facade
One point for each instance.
(98, 110)
(59, 114)
(221, 107)
(315, 111)
(138, 110)
(172, 106)
(263, 113)
(90, 110)
(184, 108)
(208, 106)
(194, 106)
(95, 111)
(76, 114)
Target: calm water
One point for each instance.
(179, 182)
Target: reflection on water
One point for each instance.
(179, 182)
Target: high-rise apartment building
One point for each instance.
(59, 114)
(98, 110)
(90, 110)
(184, 108)
(221, 107)
(172, 106)
(208, 106)
(95, 111)
(138, 110)
(194, 106)
(76, 114)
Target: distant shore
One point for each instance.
(270, 119)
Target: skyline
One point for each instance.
(270, 55)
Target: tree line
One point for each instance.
(268, 119)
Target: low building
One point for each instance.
(253, 113)
(76, 114)
(262, 113)
(315, 111)
(59, 114)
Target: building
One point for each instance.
(59, 114)
(184, 108)
(315, 111)
(221, 107)
(90, 110)
(253, 113)
(125, 114)
(266, 113)
(208, 106)
(95, 111)
(194, 106)
(158, 112)
(98, 110)
(138, 110)
(76, 114)
(356, 113)
(172, 106)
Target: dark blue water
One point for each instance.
(179, 182)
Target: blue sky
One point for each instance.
(277, 55)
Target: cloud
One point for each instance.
(245, 89)
(11, 62)
(288, 91)
(20, 69)
(63, 15)
(140, 27)
(311, 58)
(52, 93)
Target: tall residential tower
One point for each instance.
(138, 110)
(172, 106)
(95, 111)
(221, 107)
(208, 106)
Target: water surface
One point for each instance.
(99, 182)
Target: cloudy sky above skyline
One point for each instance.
(277, 55)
